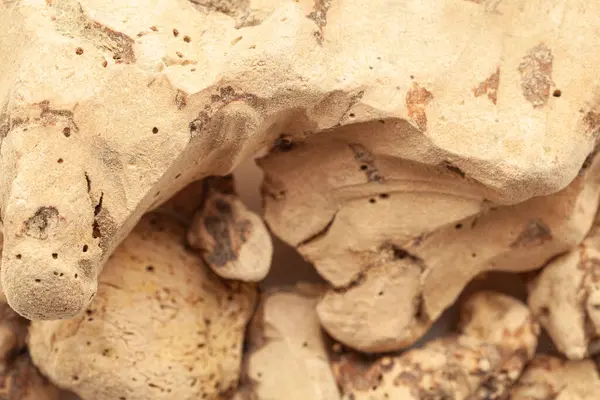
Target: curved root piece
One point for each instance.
(551, 378)
(24, 382)
(233, 241)
(130, 106)
(399, 240)
(497, 337)
(565, 298)
(287, 356)
(151, 291)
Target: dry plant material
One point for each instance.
(552, 378)
(162, 325)
(399, 240)
(106, 111)
(495, 339)
(287, 354)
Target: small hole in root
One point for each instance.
(384, 196)
(155, 130)
(372, 201)
(38, 280)
(60, 161)
(76, 276)
(67, 131)
(364, 167)
(175, 32)
(55, 255)
(85, 248)
(557, 93)
(187, 39)
(18, 256)
(150, 268)
(351, 115)
(458, 226)
(75, 378)
(79, 51)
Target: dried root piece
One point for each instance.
(399, 240)
(131, 106)
(287, 356)
(24, 382)
(162, 326)
(233, 241)
(565, 298)
(551, 378)
(496, 338)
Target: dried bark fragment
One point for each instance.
(232, 240)
(103, 85)
(536, 75)
(565, 298)
(496, 338)
(552, 378)
(287, 354)
(114, 351)
(489, 87)
(356, 232)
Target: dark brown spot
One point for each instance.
(175, 32)
(42, 223)
(79, 51)
(535, 233)
(155, 130)
(489, 87)
(417, 99)
(187, 39)
(536, 75)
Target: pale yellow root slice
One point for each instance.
(232, 240)
(552, 378)
(399, 240)
(287, 355)
(162, 325)
(108, 107)
(496, 338)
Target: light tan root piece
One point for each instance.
(287, 356)
(496, 338)
(232, 240)
(399, 240)
(551, 378)
(162, 326)
(109, 107)
(565, 298)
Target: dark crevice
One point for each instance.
(320, 233)
(88, 181)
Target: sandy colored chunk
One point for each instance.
(287, 354)
(495, 339)
(232, 240)
(385, 231)
(552, 378)
(108, 108)
(162, 325)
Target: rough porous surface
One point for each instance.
(109, 107)
(232, 240)
(551, 378)
(399, 240)
(496, 338)
(162, 325)
(287, 354)
(565, 298)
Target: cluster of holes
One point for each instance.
(57, 274)
(382, 196)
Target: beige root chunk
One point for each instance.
(232, 240)
(162, 326)
(385, 231)
(287, 356)
(551, 378)
(497, 337)
(565, 298)
(106, 110)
